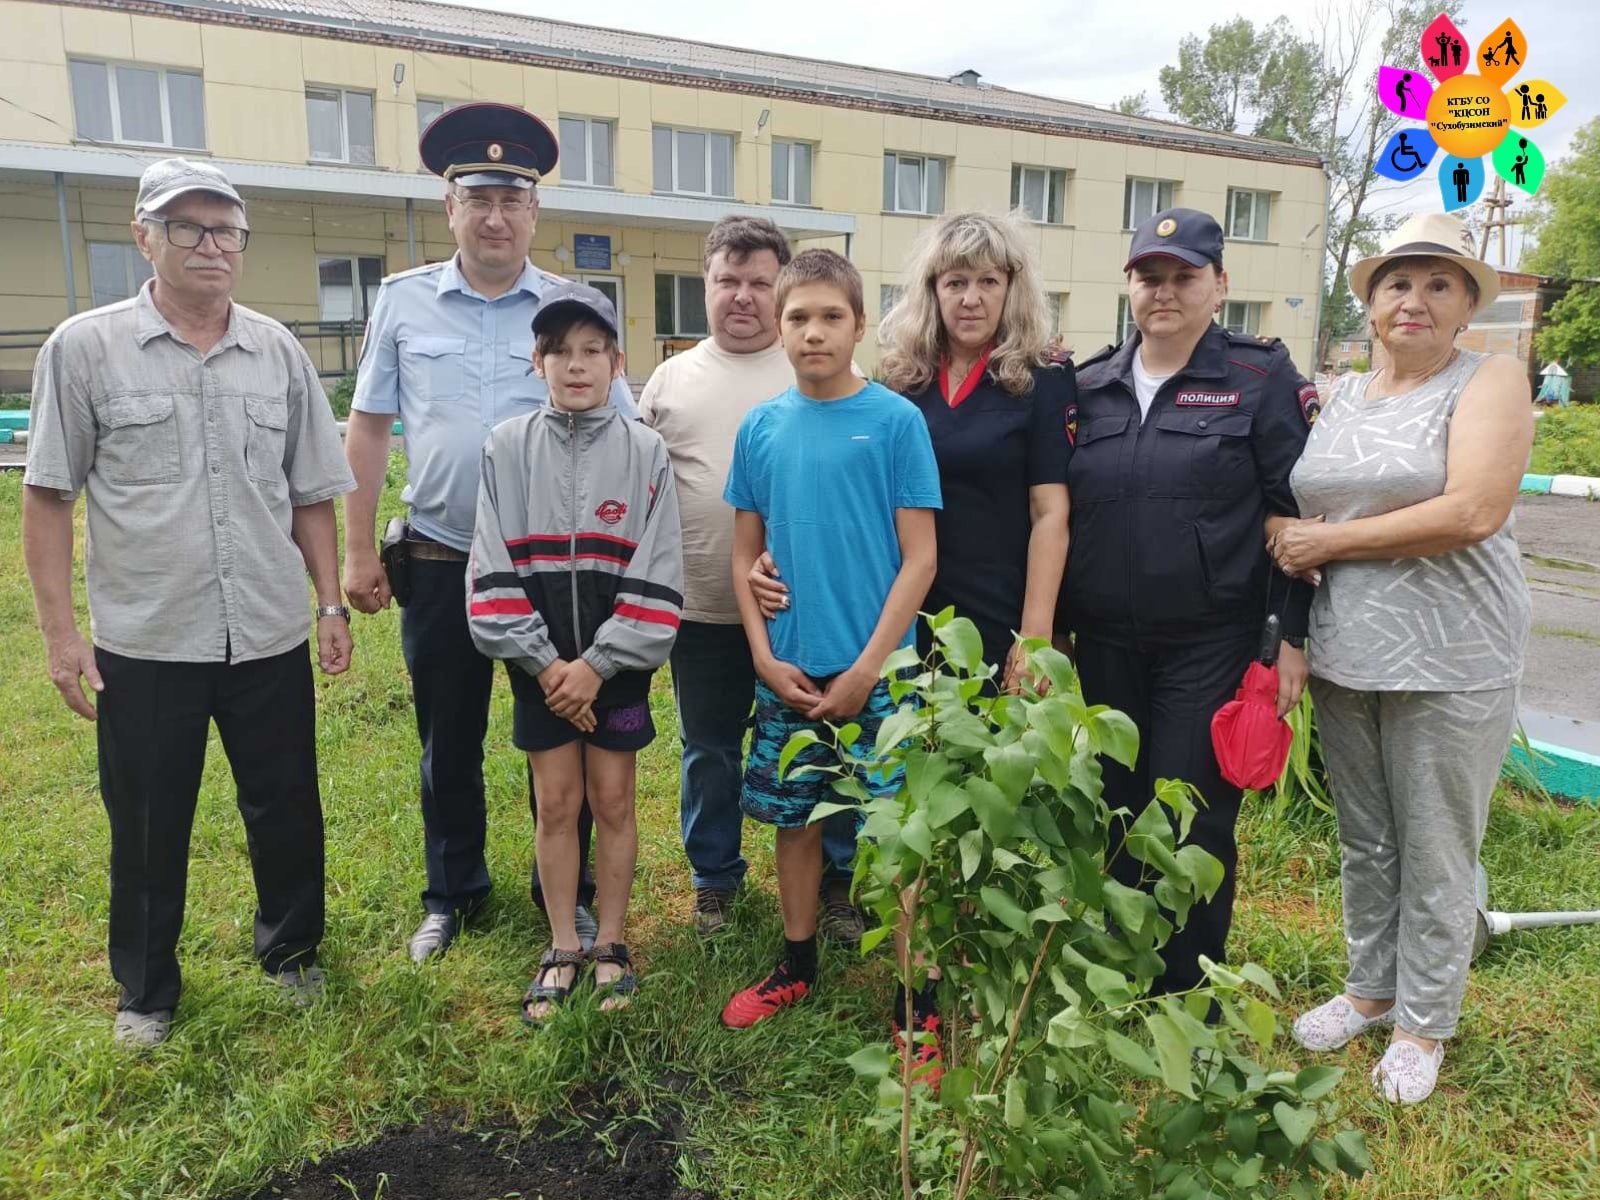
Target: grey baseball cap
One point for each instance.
(575, 298)
(164, 181)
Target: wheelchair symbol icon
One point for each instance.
(1404, 158)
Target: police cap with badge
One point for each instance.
(486, 144)
(1185, 234)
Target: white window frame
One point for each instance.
(589, 180)
(785, 148)
(1125, 328)
(1251, 312)
(1055, 309)
(132, 276)
(344, 123)
(891, 198)
(1259, 215)
(359, 309)
(672, 132)
(111, 67)
(679, 282)
(444, 107)
(1165, 194)
(1055, 189)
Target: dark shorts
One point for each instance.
(622, 727)
(787, 802)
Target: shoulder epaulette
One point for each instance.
(424, 269)
(1098, 356)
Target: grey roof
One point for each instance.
(477, 32)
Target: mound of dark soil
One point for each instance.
(438, 1161)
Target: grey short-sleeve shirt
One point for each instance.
(192, 466)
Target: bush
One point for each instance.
(14, 400)
(340, 395)
(1566, 441)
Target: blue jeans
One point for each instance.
(714, 684)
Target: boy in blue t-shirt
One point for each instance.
(839, 480)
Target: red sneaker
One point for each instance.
(927, 1059)
(778, 990)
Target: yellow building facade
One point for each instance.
(314, 108)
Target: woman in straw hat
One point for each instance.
(1417, 636)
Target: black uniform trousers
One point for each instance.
(1171, 692)
(451, 683)
(154, 718)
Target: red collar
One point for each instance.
(969, 384)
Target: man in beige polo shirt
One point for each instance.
(695, 401)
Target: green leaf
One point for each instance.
(1011, 768)
(1351, 1146)
(849, 785)
(924, 772)
(1016, 1107)
(1116, 735)
(1296, 1123)
(1242, 1130)
(1324, 1154)
(1106, 1116)
(1057, 667)
(826, 808)
(962, 730)
(1314, 1083)
(1250, 1174)
(1201, 869)
(1068, 1030)
(1261, 978)
(847, 733)
(1005, 908)
(871, 1062)
(956, 1088)
(1263, 1024)
(962, 644)
(1181, 1128)
(797, 742)
(1110, 987)
(915, 833)
(971, 847)
(899, 726)
(995, 813)
(904, 659)
(871, 938)
(1127, 906)
(1131, 1055)
(1172, 1049)
(947, 802)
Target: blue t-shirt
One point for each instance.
(826, 477)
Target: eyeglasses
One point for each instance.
(186, 235)
(476, 206)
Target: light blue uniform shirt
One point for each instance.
(826, 477)
(452, 365)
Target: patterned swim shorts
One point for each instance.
(787, 803)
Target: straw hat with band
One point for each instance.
(1428, 235)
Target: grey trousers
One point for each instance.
(1412, 773)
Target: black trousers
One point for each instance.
(1171, 692)
(451, 684)
(152, 729)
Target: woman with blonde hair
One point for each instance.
(968, 345)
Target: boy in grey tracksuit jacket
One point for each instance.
(576, 579)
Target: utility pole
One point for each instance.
(1499, 217)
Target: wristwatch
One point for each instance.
(332, 610)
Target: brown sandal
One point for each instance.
(555, 994)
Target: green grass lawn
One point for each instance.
(247, 1084)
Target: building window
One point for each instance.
(889, 294)
(340, 124)
(347, 287)
(681, 306)
(791, 172)
(692, 161)
(1125, 326)
(1247, 215)
(1055, 305)
(913, 184)
(1040, 192)
(1143, 199)
(147, 106)
(586, 152)
(1241, 316)
(116, 271)
(428, 110)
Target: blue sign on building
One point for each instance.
(591, 252)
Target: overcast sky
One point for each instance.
(1095, 53)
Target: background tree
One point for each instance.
(1566, 225)
(1135, 105)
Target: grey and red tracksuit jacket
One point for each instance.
(576, 550)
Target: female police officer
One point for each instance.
(1183, 440)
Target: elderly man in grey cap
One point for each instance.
(210, 461)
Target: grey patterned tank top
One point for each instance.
(1454, 622)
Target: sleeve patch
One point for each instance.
(1310, 404)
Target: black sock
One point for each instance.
(924, 1002)
(801, 958)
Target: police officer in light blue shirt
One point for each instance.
(448, 350)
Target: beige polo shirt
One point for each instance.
(192, 466)
(695, 401)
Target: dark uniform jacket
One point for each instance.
(1168, 516)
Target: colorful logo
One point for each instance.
(1468, 115)
(611, 511)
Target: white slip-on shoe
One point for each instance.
(1331, 1025)
(142, 1029)
(1407, 1073)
